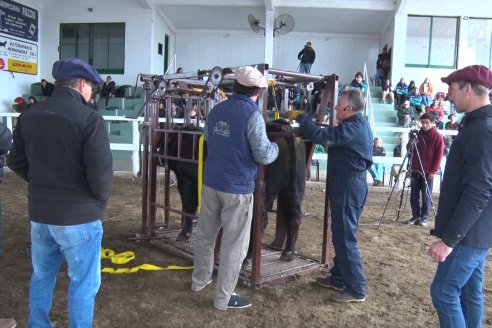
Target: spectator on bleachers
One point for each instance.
(387, 92)
(306, 106)
(411, 85)
(19, 105)
(405, 114)
(395, 168)
(108, 89)
(452, 124)
(32, 101)
(416, 99)
(397, 149)
(427, 92)
(437, 111)
(401, 92)
(92, 103)
(46, 88)
(162, 108)
(417, 123)
(359, 82)
(179, 70)
(377, 169)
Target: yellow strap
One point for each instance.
(146, 267)
(125, 257)
(120, 258)
(200, 172)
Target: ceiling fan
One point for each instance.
(282, 25)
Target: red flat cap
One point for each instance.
(475, 73)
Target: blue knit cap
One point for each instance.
(74, 68)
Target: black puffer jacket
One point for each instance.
(5, 142)
(61, 148)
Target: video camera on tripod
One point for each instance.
(413, 134)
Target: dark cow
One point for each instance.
(186, 174)
(285, 178)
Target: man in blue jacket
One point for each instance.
(61, 148)
(464, 214)
(350, 156)
(236, 142)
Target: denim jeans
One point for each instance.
(377, 171)
(378, 78)
(305, 68)
(80, 247)
(417, 187)
(348, 195)
(457, 288)
(426, 100)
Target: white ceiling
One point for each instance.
(366, 17)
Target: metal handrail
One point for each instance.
(367, 96)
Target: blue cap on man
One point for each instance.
(74, 68)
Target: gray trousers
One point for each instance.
(232, 212)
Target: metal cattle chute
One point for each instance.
(208, 87)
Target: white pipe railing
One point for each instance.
(367, 96)
(133, 147)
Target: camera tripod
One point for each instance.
(407, 160)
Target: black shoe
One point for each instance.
(413, 221)
(326, 282)
(346, 297)
(422, 223)
(238, 302)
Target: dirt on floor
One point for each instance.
(397, 267)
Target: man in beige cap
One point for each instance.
(236, 142)
(464, 213)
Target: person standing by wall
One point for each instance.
(307, 57)
(350, 152)
(5, 142)
(236, 142)
(61, 148)
(427, 147)
(464, 214)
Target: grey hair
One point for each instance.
(480, 90)
(71, 83)
(355, 99)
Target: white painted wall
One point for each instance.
(144, 30)
(138, 33)
(451, 8)
(343, 55)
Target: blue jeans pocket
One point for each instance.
(67, 236)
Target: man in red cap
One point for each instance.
(61, 149)
(464, 214)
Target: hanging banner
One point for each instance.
(18, 56)
(18, 20)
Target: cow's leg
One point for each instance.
(292, 198)
(293, 217)
(189, 199)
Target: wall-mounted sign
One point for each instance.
(18, 56)
(18, 20)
